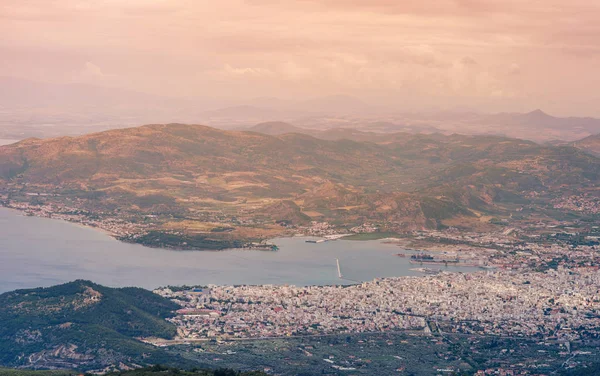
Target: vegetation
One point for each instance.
(588, 370)
(156, 370)
(81, 325)
(589, 144)
(166, 371)
(26, 372)
(245, 182)
(178, 241)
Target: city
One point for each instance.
(558, 304)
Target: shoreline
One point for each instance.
(121, 238)
(286, 259)
(269, 247)
(384, 238)
(78, 224)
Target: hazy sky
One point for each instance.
(481, 54)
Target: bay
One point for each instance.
(41, 252)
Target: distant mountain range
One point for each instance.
(34, 109)
(275, 128)
(379, 134)
(180, 173)
(37, 109)
(536, 125)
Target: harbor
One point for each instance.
(65, 251)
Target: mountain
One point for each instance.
(267, 110)
(330, 104)
(277, 128)
(542, 122)
(589, 144)
(41, 109)
(338, 104)
(81, 325)
(222, 186)
(45, 110)
(241, 112)
(536, 125)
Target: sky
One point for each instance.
(485, 55)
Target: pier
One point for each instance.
(341, 276)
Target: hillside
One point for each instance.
(223, 185)
(81, 325)
(277, 128)
(157, 370)
(536, 125)
(589, 144)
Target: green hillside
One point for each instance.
(156, 370)
(26, 372)
(81, 325)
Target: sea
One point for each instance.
(41, 252)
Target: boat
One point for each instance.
(428, 271)
(422, 257)
(436, 262)
(316, 241)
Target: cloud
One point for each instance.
(229, 71)
(468, 61)
(393, 48)
(428, 8)
(293, 71)
(91, 70)
(91, 73)
(514, 69)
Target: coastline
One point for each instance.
(123, 238)
(246, 244)
(73, 223)
(68, 253)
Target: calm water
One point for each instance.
(43, 252)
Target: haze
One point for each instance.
(490, 55)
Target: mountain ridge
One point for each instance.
(82, 325)
(194, 178)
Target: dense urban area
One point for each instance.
(560, 304)
(543, 287)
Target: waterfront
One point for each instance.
(38, 252)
